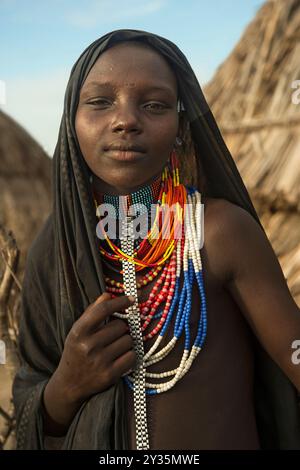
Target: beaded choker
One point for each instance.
(168, 306)
(144, 198)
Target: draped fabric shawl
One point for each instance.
(64, 275)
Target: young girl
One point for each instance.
(161, 343)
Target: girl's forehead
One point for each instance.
(130, 63)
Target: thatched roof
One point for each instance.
(255, 105)
(25, 181)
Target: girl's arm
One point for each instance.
(254, 278)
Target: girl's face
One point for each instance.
(127, 118)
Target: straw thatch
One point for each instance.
(25, 202)
(255, 98)
(25, 184)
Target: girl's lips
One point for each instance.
(125, 155)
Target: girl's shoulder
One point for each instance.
(219, 211)
(230, 230)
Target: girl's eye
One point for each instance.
(155, 106)
(100, 103)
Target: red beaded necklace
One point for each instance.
(156, 248)
(157, 253)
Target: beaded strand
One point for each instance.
(168, 305)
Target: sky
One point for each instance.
(40, 41)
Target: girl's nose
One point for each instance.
(126, 119)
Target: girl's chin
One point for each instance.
(124, 183)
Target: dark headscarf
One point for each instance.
(64, 274)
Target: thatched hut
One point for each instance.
(25, 202)
(255, 98)
(25, 184)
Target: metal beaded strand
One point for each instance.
(134, 322)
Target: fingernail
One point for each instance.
(131, 298)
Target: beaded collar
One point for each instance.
(146, 195)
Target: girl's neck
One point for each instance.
(147, 195)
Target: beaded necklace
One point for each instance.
(156, 248)
(144, 198)
(172, 258)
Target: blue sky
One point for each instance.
(40, 41)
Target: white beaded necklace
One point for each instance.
(192, 268)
